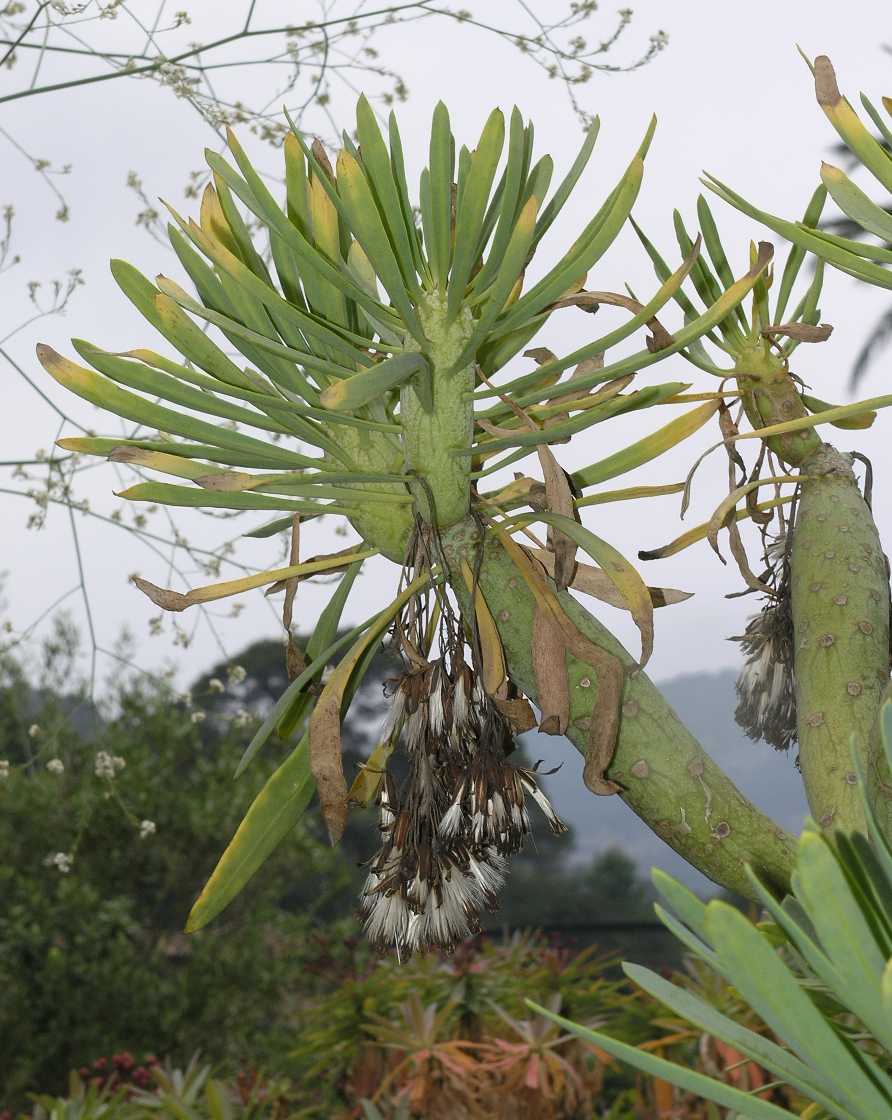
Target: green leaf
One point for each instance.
(646, 449)
(510, 268)
(845, 935)
(856, 423)
(148, 380)
(441, 164)
(176, 327)
(779, 1061)
(471, 208)
(376, 161)
(809, 240)
(504, 206)
(367, 227)
(169, 495)
(272, 815)
(373, 383)
(692, 1082)
(773, 992)
(560, 196)
(796, 255)
(104, 393)
(667, 291)
(688, 333)
(849, 197)
(589, 249)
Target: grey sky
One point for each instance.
(732, 96)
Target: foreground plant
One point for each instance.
(818, 975)
(367, 352)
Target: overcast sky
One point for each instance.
(732, 96)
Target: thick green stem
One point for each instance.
(432, 437)
(667, 777)
(841, 627)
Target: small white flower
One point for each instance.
(33, 730)
(4, 769)
(236, 674)
(327, 672)
(56, 766)
(660, 40)
(242, 718)
(216, 685)
(198, 716)
(107, 765)
(62, 861)
(146, 828)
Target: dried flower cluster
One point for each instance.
(766, 692)
(447, 835)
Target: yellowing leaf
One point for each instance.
(494, 672)
(170, 600)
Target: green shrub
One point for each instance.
(92, 957)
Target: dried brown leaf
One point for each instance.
(659, 338)
(801, 332)
(595, 582)
(519, 713)
(826, 89)
(163, 597)
(550, 669)
(291, 584)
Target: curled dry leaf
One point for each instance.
(593, 581)
(519, 713)
(603, 721)
(801, 332)
(550, 669)
(826, 89)
(659, 338)
(495, 675)
(324, 730)
(291, 584)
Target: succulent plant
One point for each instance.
(375, 349)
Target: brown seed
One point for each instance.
(504, 616)
(841, 600)
(827, 820)
(585, 682)
(865, 627)
(853, 688)
(826, 641)
(639, 769)
(721, 830)
(696, 768)
(851, 778)
(816, 586)
(815, 719)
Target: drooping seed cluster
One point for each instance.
(447, 835)
(766, 692)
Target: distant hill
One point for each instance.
(705, 702)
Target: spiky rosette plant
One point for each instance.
(363, 349)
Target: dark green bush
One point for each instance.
(92, 959)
